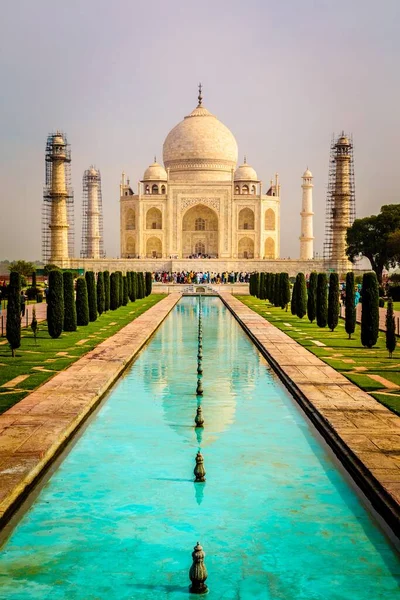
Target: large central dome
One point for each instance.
(200, 148)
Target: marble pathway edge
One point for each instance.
(362, 432)
(35, 430)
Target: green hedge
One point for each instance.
(149, 283)
(301, 295)
(312, 297)
(101, 298)
(55, 304)
(333, 301)
(70, 322)
(369, 310)
(114, 291)
(106, 280)
(91, 291)
(322, 303)
(82, 304)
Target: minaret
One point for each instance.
(306, 235)
(56, 155)
(92, 215)
(341, 199)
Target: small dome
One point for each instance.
(245, 173)
(155, 172)
(93, 172)
(307, 173)
(58, 140)
(343, 141)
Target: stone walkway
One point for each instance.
(35, 430)
(364, 433)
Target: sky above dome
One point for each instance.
(117, 77)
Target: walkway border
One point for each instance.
(384, 495)
(35, 431)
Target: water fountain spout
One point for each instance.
(199, 389)
(198, 571)
(199, 470)
(199, 417)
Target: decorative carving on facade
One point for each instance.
(212, 202)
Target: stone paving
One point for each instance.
(368, 430)
(33, 431)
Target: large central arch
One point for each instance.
(200, 231)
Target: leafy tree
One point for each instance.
(22, 267)
(55, 304)
(322, 305)
(394, 245)
(34, 323)
(312, 297)
(125, 297)
(293, 301)
(369, 310)
(350, 310)
(13, 323)
(100, 293)
(149, 283)
(373, 237)
(91, 291)
(82, 303)
(106, 279)
(114, 291)
(333, 301)
(69, 302)
(301, 295)
(391, 340)
(285, 290)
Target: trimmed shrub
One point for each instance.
(13, 323)
(69, 302)
(32, 292)
(333, 301)
(267, 285)
(322, 304)
(121, 288)
(100, 293)
(350, 306)
(134, 286)
(114, 291)
(140, 285)
(369, 310)
(91, 291)
(125, 297)
(272, 288)
(277, 290)
(285, 290)
(55, 304)
(262, 286)
(34, 283)
(301, 295)
(312, 297)
(106, 281)
(293, 301)
(82, 303)
(391, 340)
(149, 283)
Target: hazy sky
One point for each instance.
(283, 75)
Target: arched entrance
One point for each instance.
(154, 248)
(246, 248)
(200, 232)
(269, 248)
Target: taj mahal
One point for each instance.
(200, 204)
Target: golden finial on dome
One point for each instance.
(245, 160)
(200, 97)
(155, 158)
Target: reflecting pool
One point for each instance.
(277, 517)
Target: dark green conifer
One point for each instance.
(134, 286)
(121, 288)
(272, 288)
(114, 291)
(285, 290)
(55, 304)
(312, 297)
(13, 323)
(322, 301)
(106, 280)
(301, 295)
(149, 283)
(69, 302)
(125, 297)
(369, 310)
(333, 301)
(277, 290)
(350, 313)
(101, 298)
(92, 296)
(82, 303)
(293, 300)
(262, 286)
(391, 339)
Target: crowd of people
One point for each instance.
(198, 277)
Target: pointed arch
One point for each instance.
(154, 247)
(269, 223)
(246, 248)
(246, 219)
(130, 219)
(269, 248)
(131, 246)
(154, 218)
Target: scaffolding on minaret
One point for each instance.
(92, 245)
(340, 197)
(48, 196)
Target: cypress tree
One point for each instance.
(333, 301)
(69, 302)
(277, 290)
(312, 297)
(13, 323)
(101, 298)
(272, 288)
(266, 285)
(301, 295)
(391, 340)
(125, 297)
(142, 290)
(91, 291)
(369, 310)
(82, 303)
(134, 286)
(106, 280)
(34, 279)
(55, 303)
(251, 279)
(322, 305)
(293, 301)
(285, 290)
(149, 283)
(114, 291)
(350, 314)
(262, 285)
(121, 288)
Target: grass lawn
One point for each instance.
(348, 357)
(47, 357)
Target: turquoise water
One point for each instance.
(276, 517)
